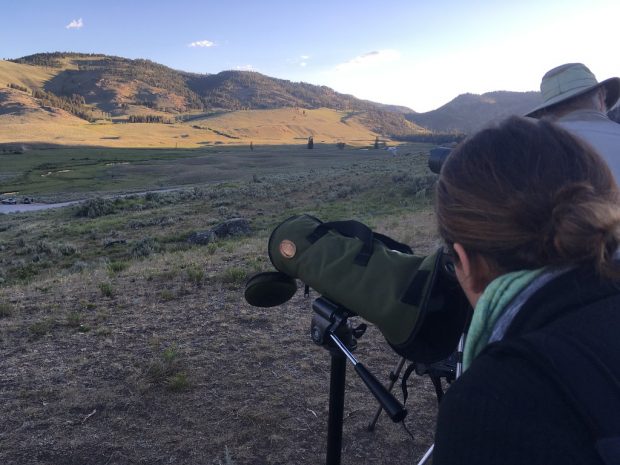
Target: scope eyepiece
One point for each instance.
(437, 157)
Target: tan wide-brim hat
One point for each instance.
(571, 80)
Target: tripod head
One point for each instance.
(332, 330)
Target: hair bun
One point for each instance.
(584, 226)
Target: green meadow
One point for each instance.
(63, 173)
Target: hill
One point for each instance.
(115, 84)
(39, 127)
(469, 112)
(108, 90)
(74, 98)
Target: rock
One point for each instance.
(201, 237)
(112, 242)
(233, 227)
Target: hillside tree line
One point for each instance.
(75, 104)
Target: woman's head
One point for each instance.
(527, 194)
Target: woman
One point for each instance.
(532, 217)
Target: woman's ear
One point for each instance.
(473, 273)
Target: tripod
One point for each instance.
(332, 330)
(449, 369)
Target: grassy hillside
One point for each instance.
(29, 76)
(282, 126)
(115, 83)
(201, 109)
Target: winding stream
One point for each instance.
(31, 207)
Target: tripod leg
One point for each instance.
(427, 456)
(438, 388)
(336, 408)
(394, 374)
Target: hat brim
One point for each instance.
(612, 88)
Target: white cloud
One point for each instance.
(301, 60)
(75, 24)
(202, 44)
(370, 59)
(246, 68)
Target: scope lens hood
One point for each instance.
(269, 289)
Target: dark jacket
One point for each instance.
(505, 410)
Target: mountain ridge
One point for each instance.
(124, 88)
(111, 89)
(469, 112)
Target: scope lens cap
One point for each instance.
(269, 289)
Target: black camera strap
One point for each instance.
(349, 228)
(359, 230)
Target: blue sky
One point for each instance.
(420, 54)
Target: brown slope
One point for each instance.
(29, 76)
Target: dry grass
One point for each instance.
(283, 126)
(24, 75)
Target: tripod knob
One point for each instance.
(360, 330)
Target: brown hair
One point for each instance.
(527, 194)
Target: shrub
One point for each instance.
(170, 354)
(167, 370)
(195, 275)
(166, 295)
(54, 250)
(40, 328)
(103, 331)
(106, 289)
(74, 320)
(420, 186)
(177, 382)
(67, 249)
(145, 247)
(118, 266)
(5, 310)
(17, 87)
(78, 266)
(26, 272)
(234, 275)
(95, 208)
(153, 197)
(44, 247)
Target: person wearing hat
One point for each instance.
(574, 99)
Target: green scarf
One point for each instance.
(491, 306)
